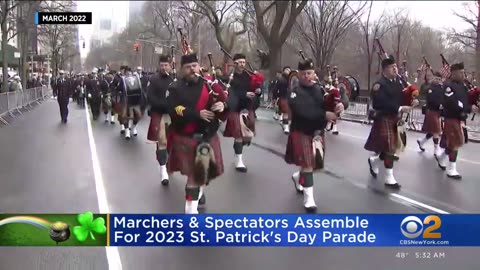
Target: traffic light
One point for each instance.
(136, 46)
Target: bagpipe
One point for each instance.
(215, 91)
(174, 68)
(256, 78)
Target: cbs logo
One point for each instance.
(412, 227)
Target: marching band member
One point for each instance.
(193, 144)
(282, 93)
(241, 120)
(432, 125)
(456, 108)
(94, 94)
(135, 98)
(159, 118)
(333, 98)
(105, 86)
(384, 139)
(118, 97)
(63, 93)
(305, 147)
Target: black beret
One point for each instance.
(239, 56)
(388, 61)
(188, 58)
(306, 65)
(164, 58)
(457, 66)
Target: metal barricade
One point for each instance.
(12, 103)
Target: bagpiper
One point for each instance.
(386, 137)
(241, 119)
(118, 97)
(281, 95)
(432, 110)
(107, 101)
(456, 107)
(306, 141)
(94, 94)
(193, 144)
(135, 103)
(333, 97)
(159, 117)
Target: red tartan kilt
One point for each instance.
(383, 135)
(431, 123)
(233, 128)
(154, 127)
(283, 105)
(452, 137)
(299, 150)
(181, 154)
(118, 107)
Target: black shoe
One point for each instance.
(372, 172)
(165, 182)
(393, 186)
(122, 132)
(203, 200)
(335, 133)
(311, 210)
(64, 120)
(456, 177)
(241, 169)
(443, 168)
(420, 146)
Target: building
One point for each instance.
(107, 21)
(134, 10)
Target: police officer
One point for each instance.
(383, 140)
(63, 93)
(456, 108)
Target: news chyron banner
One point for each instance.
(63, 18)
(265, 230)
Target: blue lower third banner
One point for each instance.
(277, 230)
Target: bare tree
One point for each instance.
(469, 38)
(7, 20)
(275, 34)
(398, 22)
(222, 16)
(323, 25)
(59, 38)
(372, 30)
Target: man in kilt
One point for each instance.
(282, 95)
(309, 119)
(136, 99)
(241, 119)
(159, 118)
(431, 124)
(105, 85)
(456, 107)
(118, 97)
(193, 144)
(384, 139)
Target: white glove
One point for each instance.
(89, 95)
(70, 99)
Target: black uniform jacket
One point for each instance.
(435, 94)
(156, 93)
(306, 106)
(387, 96)
(456, 104)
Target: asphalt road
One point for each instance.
(47, 167)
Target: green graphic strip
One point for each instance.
(85, 229)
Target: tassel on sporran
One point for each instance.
(246, 125)
(204, 164)
(318, 150)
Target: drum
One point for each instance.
(293, 80)
(350, 86)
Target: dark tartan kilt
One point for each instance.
(299, 150)
(181, 154)
(233, 128)
(452, 137)
(283, 105)
(383, 135)
(431, 123)
(118, 107)
(153, 128)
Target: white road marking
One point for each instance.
(395, 195)
(113, 256)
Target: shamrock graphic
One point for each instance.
(88, 226)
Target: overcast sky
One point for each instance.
(436, 14)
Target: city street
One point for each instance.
(84, 165)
